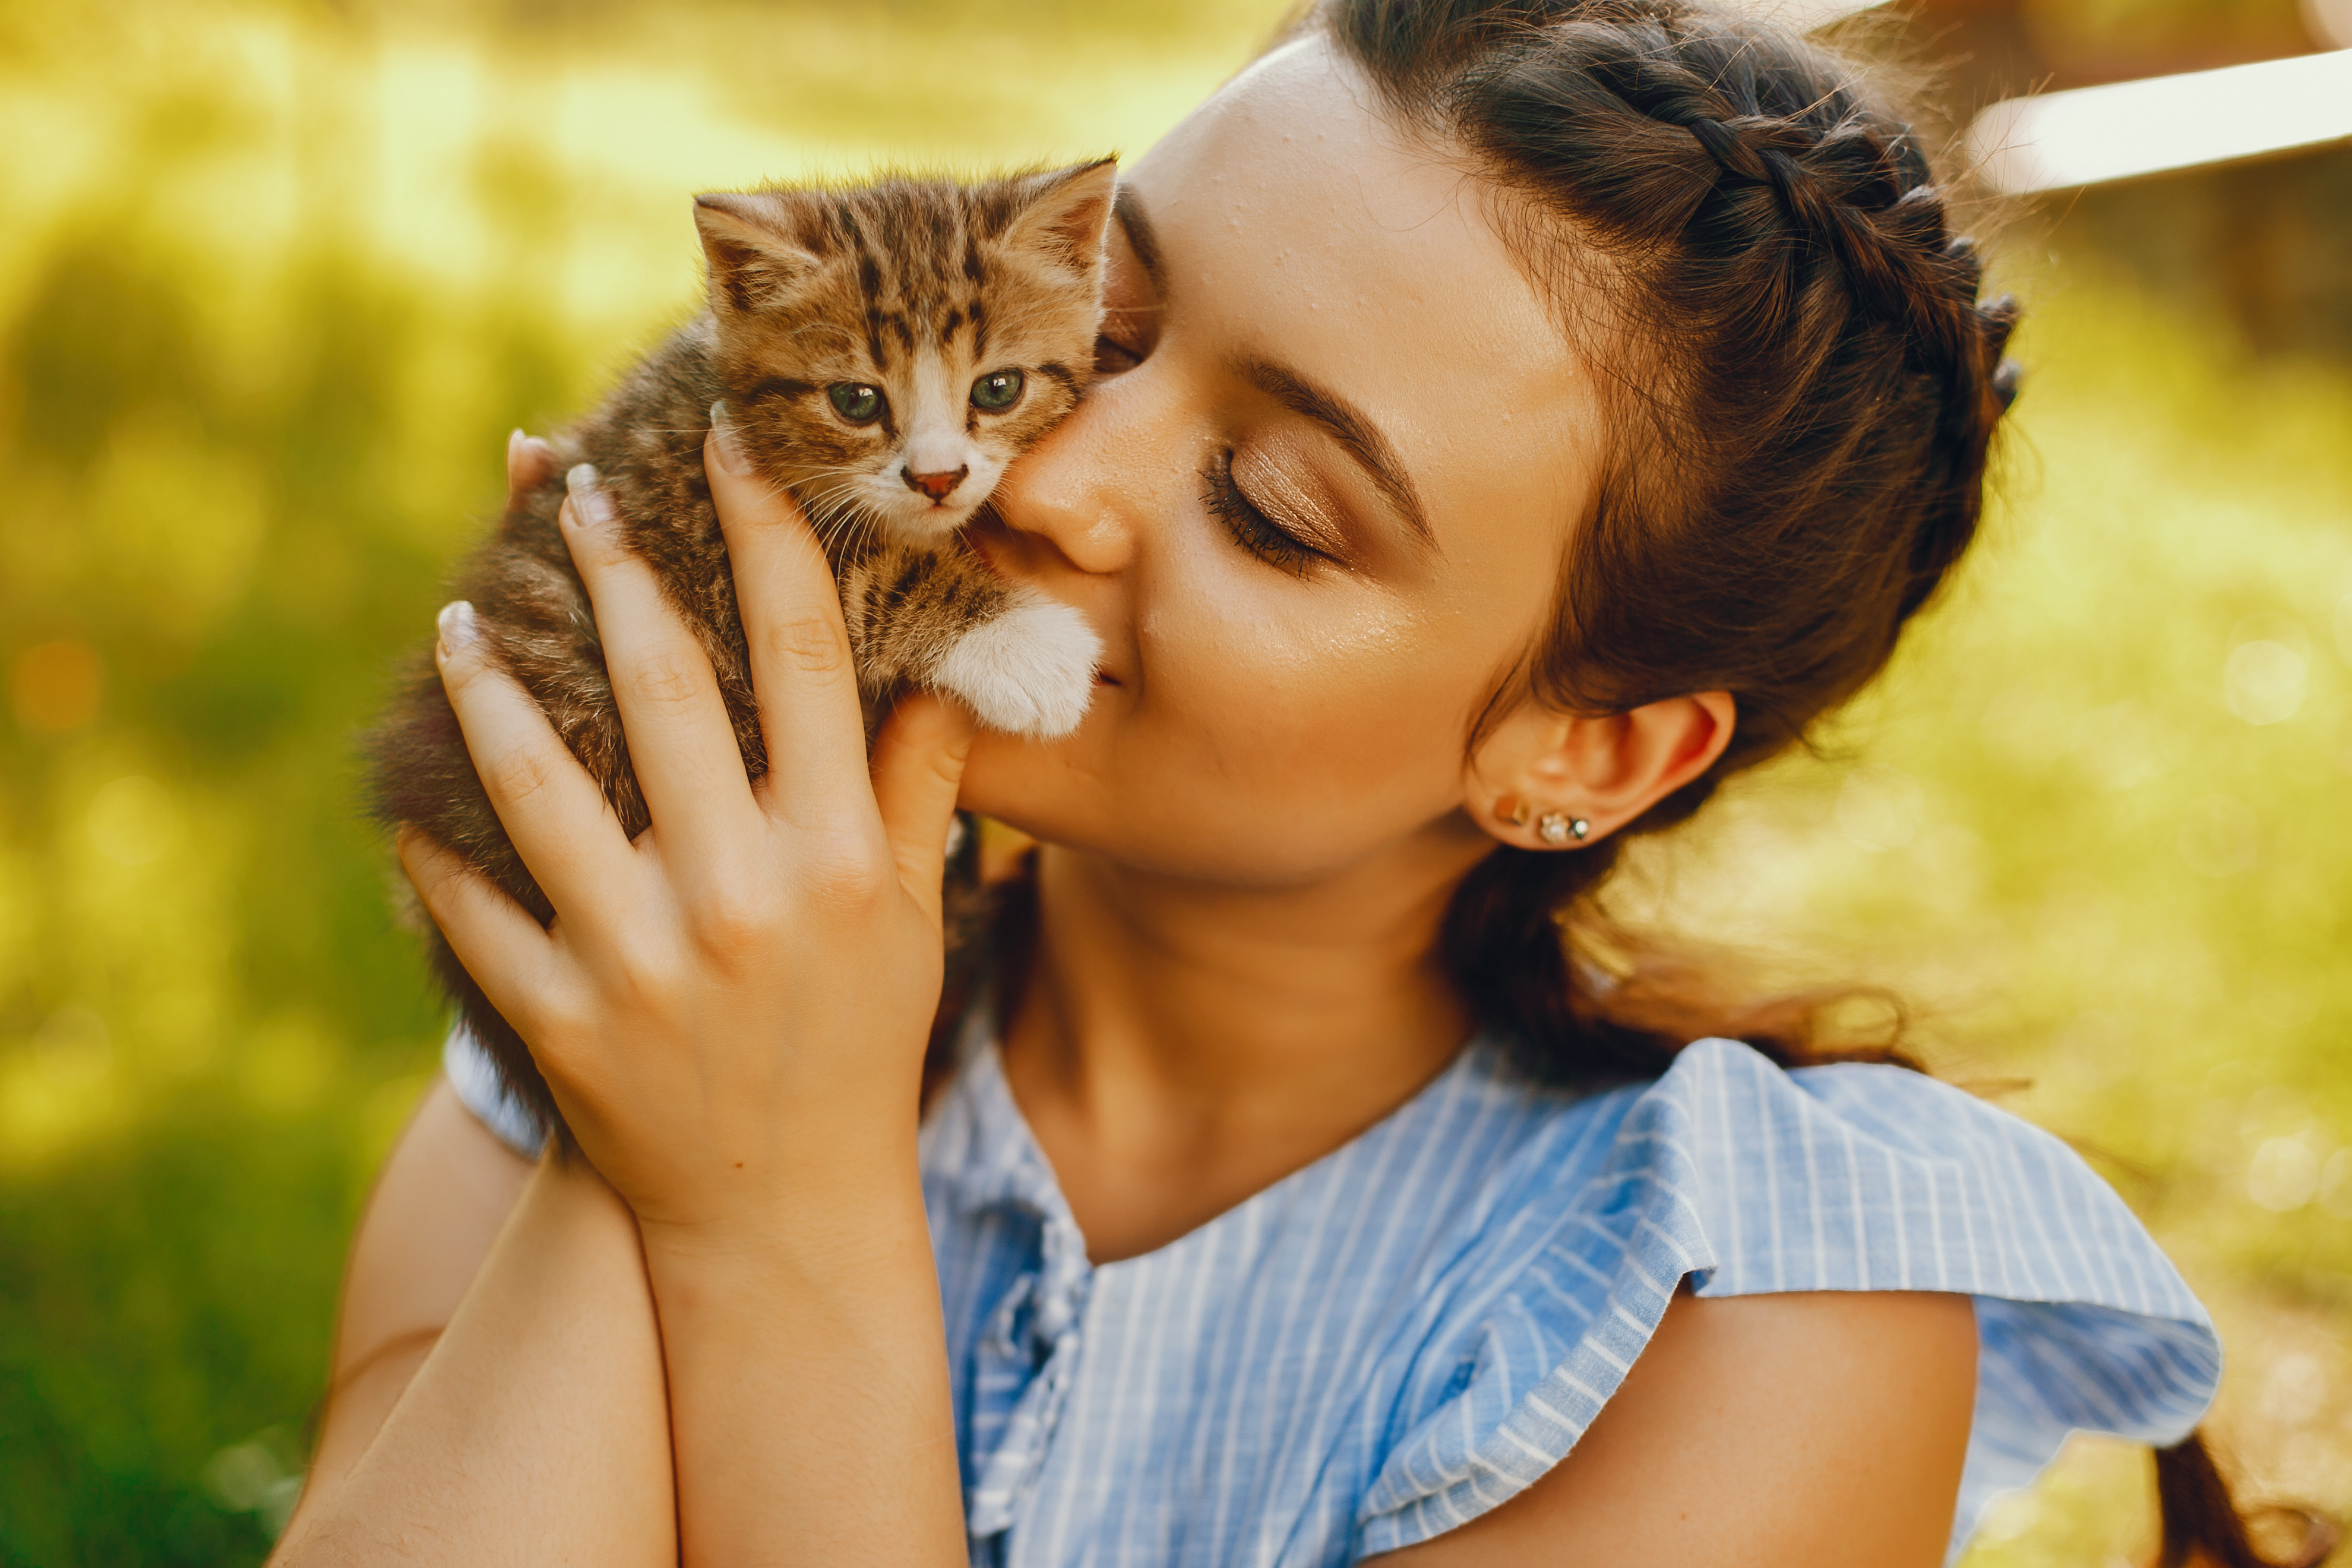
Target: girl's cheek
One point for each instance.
(1312, 637)
(1297, 719)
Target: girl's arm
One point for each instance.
(498, 1392)
(1814, 1430)
(731, 1010)
(446, 1191)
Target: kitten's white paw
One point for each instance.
(1029, 671)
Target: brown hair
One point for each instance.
(1805, 386)
(1806, 389)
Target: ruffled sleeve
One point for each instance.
(1749, 1180)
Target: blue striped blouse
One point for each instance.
(1409, 1331)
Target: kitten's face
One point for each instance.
(887, 351)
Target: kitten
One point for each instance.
(883, 351)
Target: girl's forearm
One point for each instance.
(730, 1011)
(808, 1381)
(537, 1429)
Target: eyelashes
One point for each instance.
(1119, 348)
(1252, 529)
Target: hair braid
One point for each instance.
(1808, 389)
(1855, 184)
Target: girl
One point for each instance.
(1514, 418)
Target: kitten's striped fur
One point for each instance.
(916, 289)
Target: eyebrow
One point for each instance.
(1141, 237)
(1348, 426)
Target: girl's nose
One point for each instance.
(1061, 494)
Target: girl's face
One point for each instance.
(1314, 505)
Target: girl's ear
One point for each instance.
(1539, 776)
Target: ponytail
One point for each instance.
(2203, 1527)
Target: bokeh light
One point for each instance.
(57, 686)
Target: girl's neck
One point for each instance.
(1179, 1046)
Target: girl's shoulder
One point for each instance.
(1742, 1178)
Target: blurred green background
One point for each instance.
(275, 281)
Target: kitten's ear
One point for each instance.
(753, 242)
(1065, 213)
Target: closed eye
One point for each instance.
(1111, 356)
(1123, 342)
(1250, 528)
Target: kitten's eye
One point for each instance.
(998, 390)
(856, 402)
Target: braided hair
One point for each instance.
(1804, 385)
(1804, 388)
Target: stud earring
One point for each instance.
(1510, 808)
(1557, 828)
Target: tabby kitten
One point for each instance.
(882, 352)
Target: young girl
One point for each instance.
(1513, 417)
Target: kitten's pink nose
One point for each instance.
(940, 486)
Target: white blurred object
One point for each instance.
(2284, 1177)
(2330, 22)
(2264, 682)
(2130, 128)
(1805, 16)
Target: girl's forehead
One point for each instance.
(1298, 140)
(1297, 223)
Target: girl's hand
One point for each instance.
(731, 1010)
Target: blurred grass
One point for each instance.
(274, 281)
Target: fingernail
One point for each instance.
(588, 502)
(458, 629)
(731, 450)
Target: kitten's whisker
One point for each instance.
(832, 509)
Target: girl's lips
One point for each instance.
(978, 535)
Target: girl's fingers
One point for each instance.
(680, 741)
(531, 463)
(800, 667)
(552, 810)
(917, 771)
(501, 946)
